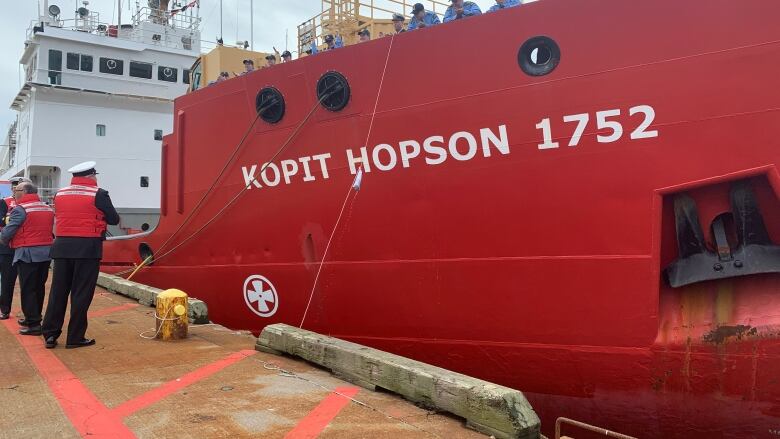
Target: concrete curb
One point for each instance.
(488, 408)
(146, 295)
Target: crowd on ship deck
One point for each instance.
(420, 19)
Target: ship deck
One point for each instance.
(211, 385)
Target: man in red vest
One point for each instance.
(82, 212)
(7, 268)
(29, 232)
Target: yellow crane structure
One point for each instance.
(346, 18)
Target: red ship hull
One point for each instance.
(529, 265)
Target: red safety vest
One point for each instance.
(11, 203)
(75, 211)
(38, 224)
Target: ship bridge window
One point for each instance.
(539, 56)
(197, 70)
(185, 78)
(140, 70)
(168, 74)
(55, 67)
(112, 66)
(78, 61)
(86, 63)
(100, 130)
(73, 61)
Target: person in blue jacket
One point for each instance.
(503, 4)
(330, 44)
(461, 9)
(422, 18)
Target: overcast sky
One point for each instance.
(271, 19)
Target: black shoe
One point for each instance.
(83, 343)
(51, 342)
(23, 322)
(32, 330)
(4, 316)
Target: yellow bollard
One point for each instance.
(172, 317)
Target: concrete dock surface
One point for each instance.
(211, 385)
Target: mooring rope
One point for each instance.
(325, 95)
(154, 258)
(216, 180)
(327, 247)
(354, 186)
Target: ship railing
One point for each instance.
(176, 20)
(113, 85)
(587, 427)
(46, 194)
(344, 16)
(7, 159)
(182, 21)
(124, 236)
(8, 151)
(89, 24)
(13, 133)
(56, 77)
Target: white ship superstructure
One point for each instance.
(96, 91)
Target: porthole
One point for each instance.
(539, 56)
(333, 91)
(270, 105)
(146, 253)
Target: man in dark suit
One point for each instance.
(82, 212)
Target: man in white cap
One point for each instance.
(398, 23)
(82, 212)
(29, 233)
(7, 268)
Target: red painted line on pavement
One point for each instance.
(312, 425)
(154, 395)
(106, 311)
(87, 414)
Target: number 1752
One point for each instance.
(612, 129)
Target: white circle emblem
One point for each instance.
(167, 72)
(260, 295)
(111, 64)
